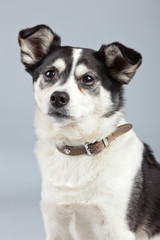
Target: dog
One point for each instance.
(99, 181)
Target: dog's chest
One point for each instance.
(85, 196)
(68, 179)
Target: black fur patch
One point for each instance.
(144, 206)
(62, 52)
(96, 61)
(115, 87)
(136, 206)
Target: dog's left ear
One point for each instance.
(36, 43)
(121, 61)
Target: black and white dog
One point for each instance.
(112, 193)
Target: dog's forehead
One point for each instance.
(71, 60)
(78, 59)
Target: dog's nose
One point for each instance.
(59, 99)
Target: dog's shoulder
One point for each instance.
(151, 179)
(144, 207)
(149, 160)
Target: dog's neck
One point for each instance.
(89, 130)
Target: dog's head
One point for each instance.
(72, 84)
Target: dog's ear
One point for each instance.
(121, 61)
(35, 43)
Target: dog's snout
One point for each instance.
(59, 99)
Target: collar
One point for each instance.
(94, 148)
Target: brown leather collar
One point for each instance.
(94, 148)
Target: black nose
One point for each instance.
(59, 99)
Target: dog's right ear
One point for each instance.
(35, 43)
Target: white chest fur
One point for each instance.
(85, 196)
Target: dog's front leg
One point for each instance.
(118, 233)
(123, 236)
(56, 225)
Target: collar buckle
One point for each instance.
(86, 145)
(88, 150)
(105, 141)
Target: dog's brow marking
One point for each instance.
(81, 70)
(60, 65)
(76, 55)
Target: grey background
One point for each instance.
(80, 23)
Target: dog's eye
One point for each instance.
(88, 80)
(49, 75)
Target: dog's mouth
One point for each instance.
(59, 114)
